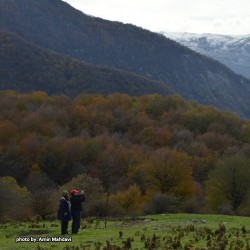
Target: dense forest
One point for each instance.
(148, 154)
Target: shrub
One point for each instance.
(161, 203)
(129, 201)
(15, 200)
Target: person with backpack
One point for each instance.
(64, 214)
(76, 209)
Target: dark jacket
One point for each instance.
(76, 202)
(64, 213)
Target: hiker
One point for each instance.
(64, 214)
(76, 209)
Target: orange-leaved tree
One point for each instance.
(170, 172)
(129, 201)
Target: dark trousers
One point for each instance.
(76, 220)
(64, 226)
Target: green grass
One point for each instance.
(170, 231)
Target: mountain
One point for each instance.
(57, 26)
(233, 51)
(26, 67)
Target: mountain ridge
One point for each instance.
(35, 68)
(57, 26)
(233, 51)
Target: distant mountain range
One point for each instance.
(233, 51)
(56, 27)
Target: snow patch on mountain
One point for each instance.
(233, 51)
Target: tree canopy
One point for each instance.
(123, 145)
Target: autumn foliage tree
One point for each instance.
(170, 172)
(91, 186)
(129, 201)
(43, 191)
(166, 147)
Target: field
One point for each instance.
(170, 231)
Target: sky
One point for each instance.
(230, 17)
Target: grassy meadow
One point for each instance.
(169, 231)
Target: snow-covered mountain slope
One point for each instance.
(233, 51)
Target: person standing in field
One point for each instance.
(76, 209)
(64, 214)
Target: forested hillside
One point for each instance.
(152, 154)
(27, 67)
(57, 26)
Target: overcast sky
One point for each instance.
(196, 16)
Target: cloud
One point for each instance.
(202, 16)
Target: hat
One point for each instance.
(73, 191)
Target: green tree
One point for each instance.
(198, 119)
(15, 200)
(228, 184)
